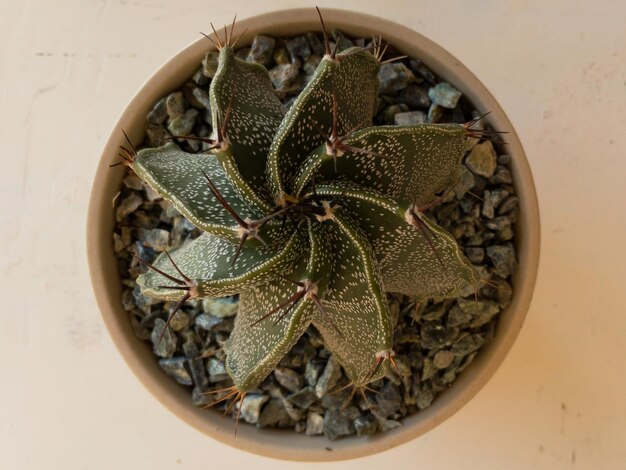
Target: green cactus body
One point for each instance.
(327, 215)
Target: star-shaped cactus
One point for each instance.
(311, 214)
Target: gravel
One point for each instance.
(434, 340)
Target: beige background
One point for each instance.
(67, 70)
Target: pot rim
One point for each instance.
(283, 444)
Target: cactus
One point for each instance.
(310, 214)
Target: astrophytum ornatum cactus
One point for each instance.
(309, 214)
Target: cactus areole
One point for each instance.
(310, 214)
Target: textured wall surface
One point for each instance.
(67, 70)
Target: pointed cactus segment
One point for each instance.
(207, 262)
(411, 163)
(356, 323)
(299, 133)
(247, 112)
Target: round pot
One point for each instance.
(288, 444)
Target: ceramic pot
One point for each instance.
(286, 444)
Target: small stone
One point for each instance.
(298, 47)
(128, 205)
(183, 125)
(488, 209)
(261, 50)
(424, 397)
(433, 335)
(163, 339)
(502, 176)
(132, 181)
(157, 135)
(175, 105)
(221, 307)
(207, 321)
(242, 54)
(158, 114)
(410, 118)
(209, 64)
(175, 367)
(466, 183)
(415, 96)
(200, 398)
(394, 77)
(195, 363)
(314, 424)
(482, 159)
(365, 425)
(315, 43)
(328, 379)
(283, 76)
(422, 71)
(139, 329)
(251, 407)
(388, 400)
(508, 205)
(467, 345)
(310, 65)
(216, 369)
(390, 112)
(156, 238)
(503, 259)
(200, 78)
(443, 359)
(475, 254)
(179, 321)
(436, 113)
(337, 424)
(288, 378)
(388, 424)
(445, 95)
(428, 370)
(312, 372)
(274, 414)
(303, 398)
(281, 56)
(300, 426)
(499, 223)
(202, 97)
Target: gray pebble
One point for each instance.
(410, 118)
(222, 307)
(424, 398)
(433, 335)
(312, 372)
(132, 181)
(251, 407)
(328, 379)
(158, 114)
(157, 135)
(156, 238)
(443, 359)
(388, 400)
(128, 205)
(503, 259)
(283, 76)
(298, 47)
(436, 113)
(303, 398)
(196, 365)
(165, 345)
(314, 424)
(175, 105)
(315, 43)
(179, 321)
(508, 205)
(281, 56)
(216, 369)
(475, 254)
(261, 50)
(183, 125)
(445, 95)
(390, 112)
(415, 96)
(202, 97)
(467, 345)
(482, 159)
(388, 424)
(288, 378)
(502, 176)
(310, 65)
(365, 425)
(422, 71)
(209, 64)
(207, 321)
(394, 77)
(274, 414)
(337, 424)
(175, 367)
